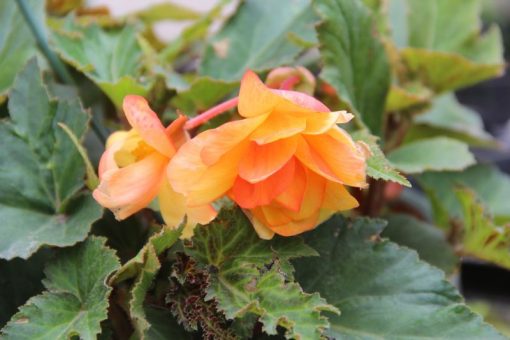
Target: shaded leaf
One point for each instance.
(109, 58)
(238, 46)
(448, 114)
(17, 44)
(402, 98)
(242, 283)
(164, 326)
(429, 241)
(41, 172)
(352, 55)
(378, 167)
(434, 154)
(482, 238)
(491, 186)
(76, 299)
(382, 290)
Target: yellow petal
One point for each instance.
(262, 161)
(147, 123)
(172, 205)
(337, 198)
(278, 126)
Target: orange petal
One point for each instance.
(293, 197)
(260, 228)
(227, 136)
(304, 102)
(254, 97)
(249, 195)
(202, 184)
(297, 227)
(147, 123)
(261, 161)
(333, 155)
(175, 131)
(278, 126)
(337, 198)
(312, 198)
(129, 189)
(201, 214)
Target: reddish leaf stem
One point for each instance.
(211, 113)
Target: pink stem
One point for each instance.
(289, 83)
(211, 113)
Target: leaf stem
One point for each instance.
(211, 113)
(42, 42)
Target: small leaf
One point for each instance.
(76, 299)
(17, 44)
(378, 167)
(242, 282)
(238, 46)
(458, 121)
(490, 184)
(482, 238)
(434, 154)
(382, 290)
(402, 98)
(41, 172)
(429, 241)
(355, 61)
(109, 58)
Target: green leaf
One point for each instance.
(20, 280)
(238, 46)
(448, 114)
(382, 290)
(434, 154)
(346, 38)
(491, 185)
(446, 47)
(402, 98)
(166, 11)
(202, 94)
(482, 238)
(109, 58)
(378, 167)
(76, 299)
(429, 241)
(144, 268)
(444, 72)
(17, 44)
(41, 172)
(242, 283)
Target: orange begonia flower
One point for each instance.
(132, 170)
(286, 163)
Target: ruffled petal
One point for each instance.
(176, 133)
(312, 198)
(335, 156)
(172, 205)
(278, 126)
(262, 161)
(147, 123)
(249, 195)
(254, 97)
(129, 189)
(264, 232)
(293, 197)
(297, 227)
(200, 183)
(219, 141)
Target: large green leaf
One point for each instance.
(433, 154)
(242, 283)
(164, 326)
(378, 167)
(429, 241)
(355, 61)
(76, 299)
(110, 58)
(17, 44)
(41, 172)
(491, 185)
(446, 47)
(282, 30)
(481, 237)
(382, 290)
